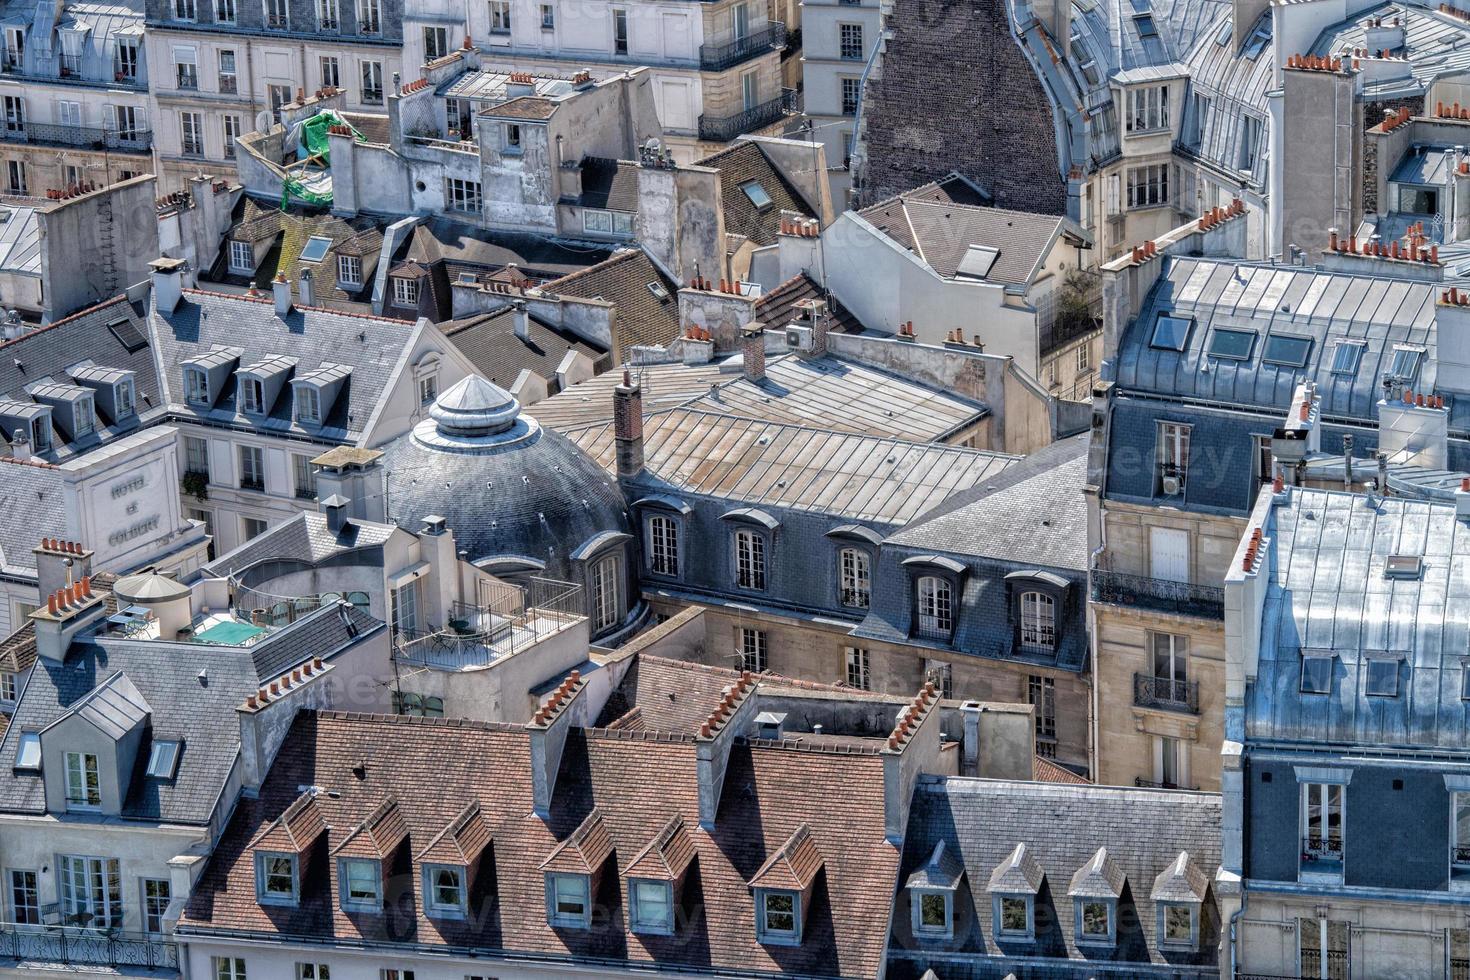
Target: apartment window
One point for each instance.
(601, 222)
(750, 96)
(277, 14)
(1041, 694)
(1097, 921)
(752, 649)
(157, 892)
(361, 880)
(308, 405)
(750, 560)
(228, 83)
(850, 42)
(778, 917)
(436, 43)
(404, 605)
(462, 195)
(1323, 946)
(251, 396)
(620, 30)
(1322, 826)
(606, 593)
(83, 788)
(444, 890)
(1316, 674)
(931, 912)
(277, 96)
(652, 911)
(851, 89)
(372, 82)
(126, 62)
(1250, 142)
(8, 685)
(1382, 677)
(328, 18)
(859, 669)
(1179, 925)
(428, 389)
(1460, 837)
(196, 456)
(1084, 359)
(184, 10)
(191, 134)
(1173, 458)
(15, 177)
(196, 381)
(499, 16)
(1405, 364)
(186, 69)
(276, 879)
(41, 433)
(567, 900)
(1148, 109)
(85, 417)
(313, 971)
(406, 292)
(163, 758)
(224, 11)
(230, 130)
(15, 114)
(349, 270)
(388, 973)
(25, 898)
(855, 571)
(369, 21)
(242, 258)
(1148, 186)
(305, 476)
(90, 891)
(252, 527)
(663, 545)
(510, 139)
(252, 468)
(227, 968)
(1013, 916)
(331, 70)
(15, 47)
(548, 17)
(1038, 622)
(1169, 663)
(935, 598)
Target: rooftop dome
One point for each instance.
(516, 496)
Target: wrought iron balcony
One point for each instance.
(72, 947)
(856, 598)
(83, 137)
(1182, 598)
(1165, 692)
(1150, 784)
(718, 57)
(725, 128)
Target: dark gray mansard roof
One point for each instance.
(1328, 592)
(202, 711)
(981, 822)
(304, 538)
(34, 505)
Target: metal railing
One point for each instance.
(1115, 588)
(718, 57)
(1165, 692)
(437, 143)
(82, 947)
(726, 128)
(1150, 784)
(267, 609)
(246, 483)
(82, 137)
(1317, 850)
(856, 598)
(509, 618)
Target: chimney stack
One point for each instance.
(281, 289)
(521, 318)
(168, 287)
(20, 445)
(753, 352)
(336, 509)
(628, 426)
(306, 288)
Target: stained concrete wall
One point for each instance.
(1320, 159)
(96, 245)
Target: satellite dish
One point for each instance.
(263, 121)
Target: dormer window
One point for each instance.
(242, 258)
(444, 890)
(1097, 921)
(1014, 886)
(1316, 674)
(84, 417)
(308, 405)
(252, 396)
(83, 785)
(1038, 623)
(779, 920)
(196, 386)
(349, 271)
(933, 914)
(1382, 679)
(783, 889)
(935, 607)
(651, 909)
(41, 433)
(931, 891)
(362, 885)
(405, 292)
(1178, 925)
(163, 758)
(654, 877)
(124, 398)
(1178, 892)
(277, 880)
(1013, 916)
(568, 903)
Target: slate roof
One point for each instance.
(18, 650)
(82, 339)
(34, 504)
(975, 108)
(791, 467)
(1328, 592)
(743, 163)
(465, 246)
(490, 343)
(778, 307)
(43, 43)
(622, 280)
(610, 185)
(940, 233)
(983, 822)
(305, 538)
(166, 678)
(635, 785)
(524, 107)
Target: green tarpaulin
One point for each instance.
(312, 142)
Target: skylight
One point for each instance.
(977, 262)
(1403, 566)
(1405, 363)
(1316, 675)
(28, 755)
(1286, 350)
(1383, 678)
(1170, 332)
(1232, 345)
(1346, 356)
(1256, 43)
(658, 291)
(163, 759)
(756, 193)
(1145, 25)
(316, 249)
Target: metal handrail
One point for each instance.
(1165, 692)
(718, 57)
(726, 128)
(72, 946)
(1116, 588)
(79, 136)
(509, 618)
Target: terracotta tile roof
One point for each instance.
(459, 843)
(376, 837)
(642, 318)
(435, 767)
(609, 184)
(742, 164)
(18, 650)
(666, 856)
(585, 851)
(1047, 771)
(778, 307)
(524, 107)
(794, 866)
(296, 829)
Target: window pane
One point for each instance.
(932, 911)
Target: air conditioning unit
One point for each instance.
(1173, 486)
(799, 338)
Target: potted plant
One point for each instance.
(196, 483)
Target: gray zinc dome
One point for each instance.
(508, 489)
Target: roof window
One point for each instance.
(756, 193)
(316, 249)
(1405, 363)
(1403, 567)
(1346, 355)
(28, 754)
(977, 262)
(1287, 351)
(1170, 332)
(1316, 674)
(1145, 25)
(163, 759)
(1383, 678)
(1232, 345)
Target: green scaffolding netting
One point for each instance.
(312, 142)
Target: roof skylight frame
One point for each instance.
(757, 194)
(28, 752)
(1346, 356)
(1271, 353)
(1381, 677)
(316, 240)
(1169, 320)
(1220, 337)
(1404, 568)
(1144, 24)
(1316, 676)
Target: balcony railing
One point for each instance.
(1182, 598)
(82, 137)
(83, 948)
(1165, 692)
(856, 598)
(512, 618)
(249, 483)
(1150, 784)
(725, 128)
(718, 57)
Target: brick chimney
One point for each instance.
(60, 563)
(628, 426)
(66, 613)
(753, 352)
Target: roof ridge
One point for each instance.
(894, 440)
(120, 297)
(618, 256)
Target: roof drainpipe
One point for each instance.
(1347, 462)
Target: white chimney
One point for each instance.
(522, 319)
(281, 287)
(306, 288)
(1462, 500)
(167, 275)
(20, 445)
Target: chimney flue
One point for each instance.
(628, 426)
(521, 319)
(281, 290)
(753, 352)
